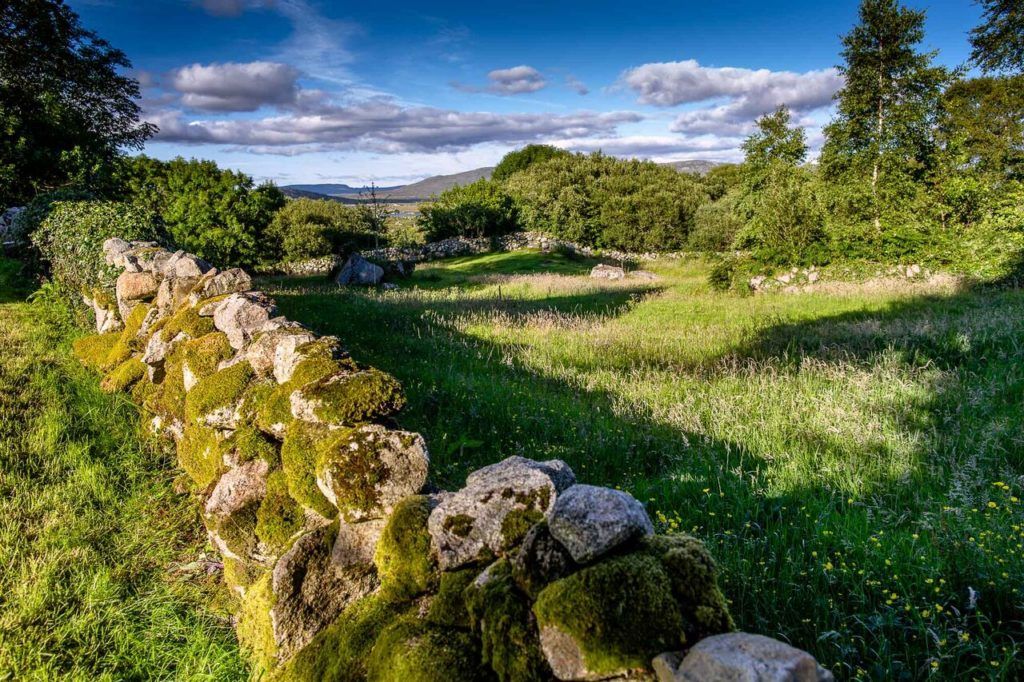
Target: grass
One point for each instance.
(105, 572)
(852, 455)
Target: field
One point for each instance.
(852, 454)
(105, 574)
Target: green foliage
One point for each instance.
(479, 209)
(218, 215)
(66, 107)
(981, 128)
(786, 218)
(521, 159)
(71, 238)
(601, 201)
(774, 142)
(312, 228)
(998, 43)
(716, 223)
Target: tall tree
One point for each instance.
(65, 107)
(982, 126)
(882, 135)
(775, 141)
(998, 43)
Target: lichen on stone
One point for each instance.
(279, 517)
(403, 557)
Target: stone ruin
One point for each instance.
(346, 561)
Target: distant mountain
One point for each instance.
(336, 190)
(424, 189)
(291, 191)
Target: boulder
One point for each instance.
(365, 471)
(217, 283)
(181, 264)
(643, 275)
(356, 543)
(275, 352)
(590, 521)
(239, 487)
(172, 293)
(113, 251)
(358, 270)
(133, 288)
(540, 560)
(609, 272)
(241, 316)
(498, 506)
(741, 657)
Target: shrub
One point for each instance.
(716, 224)
(521, 159)
(36, 211)
(71, 238)
(312, 228)
(404, 232)
(786, 218)
(480, 209)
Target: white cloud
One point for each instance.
(512, 81)
(576, 85)
(656, 146)
(236, 87)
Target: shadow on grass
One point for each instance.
(15, 286)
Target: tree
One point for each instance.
(521, 159)
(374, 214)
(479, 209)
(312, 228)
(998, 43)
(882, 136)
(982, 127)
(66, 111)
(775, 141)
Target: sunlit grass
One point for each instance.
(851, 454)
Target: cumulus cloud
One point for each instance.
(749, 92)
(656, 146)
(385, 126)
(576, 85)
(236, 86)
(512, 81)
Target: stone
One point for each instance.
(366, 471)
(241, 316)
(241, 486)
(591, 521)
(643, 275)
(310, 590)
(757, 282)
(495, 510)
(540, 560)
(742, 657)
(217, 283)
(113, 250)
(785, 279)
(133, 288)
(609, 272)
(172, 293)
(358, 270)
(813, 276)
(275, 352)
(356, 543)
(181, 264)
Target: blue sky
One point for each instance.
(309, 91)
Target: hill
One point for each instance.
(425, 189)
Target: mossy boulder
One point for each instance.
(274, 407)
(128, 343)
(298, 460)
(201, 357)
(501, 615)
(540, 560)
(240, 575)
(124, 376)
(215, 399)
(234, 533)
(348, 398)
(93, 351)
(246, 444)
(609, 619)
(448, 607)
(366, 470)
(188, 322)
(279, 518)
(255, 627)
(199, 454)
(404, 559)
(412, 650)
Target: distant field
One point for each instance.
(854, 456)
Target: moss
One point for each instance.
(516, 524)
(339, 652)
(218, 390)
(124, 376)
(355, 397)
(279, 516)
(104, 298)
(128, 342)
(692, 572)
(448, 606)
(255, 630)
(255, 397)
(459, 525)
(199, 454)
(187, 321)
(247, 444)
(410, 650)
(167, 398)
(274, 411)
(241, 575)
(621, 612)
(403, 556)
(238, 530)
(357, 472)
(500, 613)
(204, 354)
(93, 351)
(298, 461)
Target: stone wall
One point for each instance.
(346, 561)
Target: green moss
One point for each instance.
(124, 376)
(621, 612)
(255, 630)
(448, 606)
(248, 444)
(274, 410)
(241, 575)
(279, 516)
(218, 390)
(355, 397)
(167, 398)
(298, 461)
(238, 530)
(187, 321)
(500, 613)
(104, 298)
(199, 454)
(692, 571)
(410, 650)
(204, 354)
(255, 397)
(340, 651)
(128, 342)
(403, 556)
(357, 472)
(459, 525)
(93, 351)
(517, 523)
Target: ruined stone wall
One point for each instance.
(347, 563)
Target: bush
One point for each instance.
(786, 218)
(404, 233)
(36, 211)
(716, 224)
(312, 228)
(480, 209)
(71, 238)
(521, 159)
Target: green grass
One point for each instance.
(102, 565)
(852, 456)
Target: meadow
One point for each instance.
(106, 572)
(850, 452)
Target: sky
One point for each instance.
(308, 91)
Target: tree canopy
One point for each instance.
(998, 43)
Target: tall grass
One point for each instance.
(851, 454)
(104, 572)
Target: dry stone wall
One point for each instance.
(347, 562)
